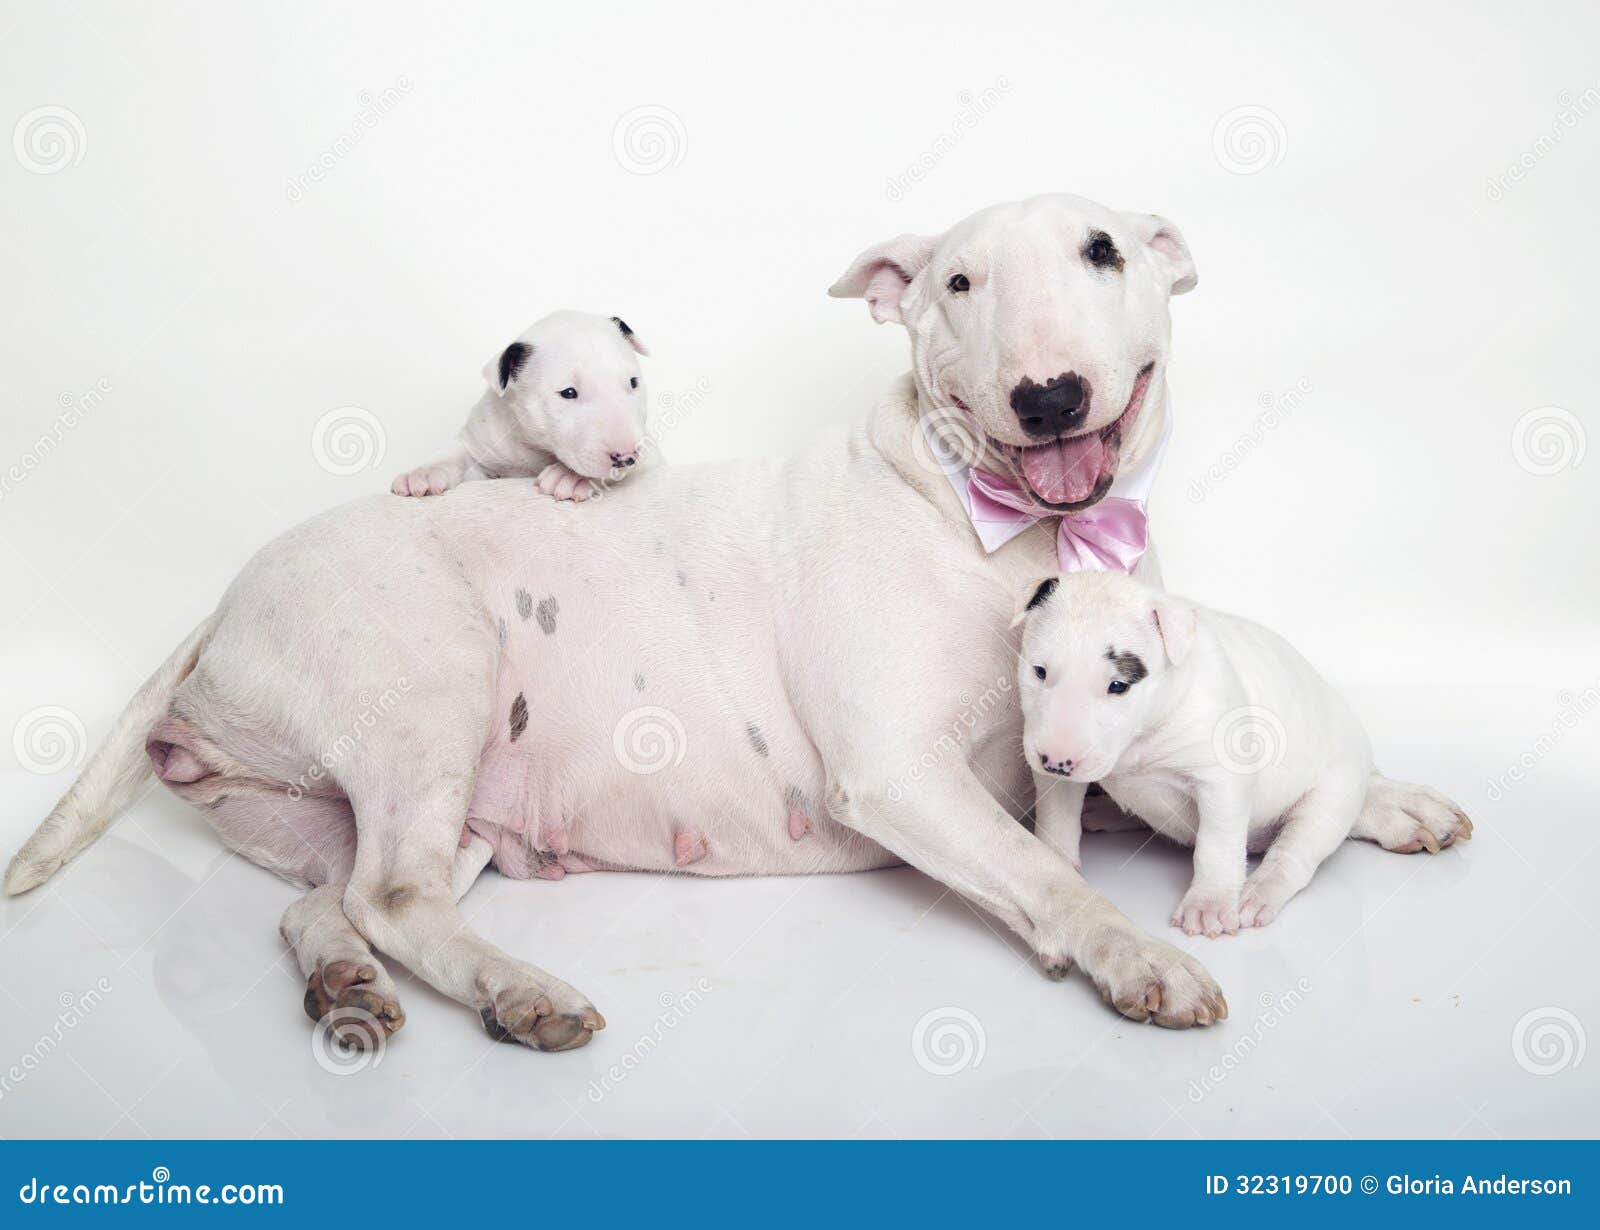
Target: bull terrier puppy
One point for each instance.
(565, 404)
(1210, 729)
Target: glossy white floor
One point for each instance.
(1400, 996)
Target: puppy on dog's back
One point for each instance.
(1209, 728)
(565, 404)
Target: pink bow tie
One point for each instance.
(1109, 535)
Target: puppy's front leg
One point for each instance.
(1211, 906)
(1058, 814)
(434, 478)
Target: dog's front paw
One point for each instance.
(1147, 980)
(561, 483)
(1207, 911)
(1261, 898)
(426, 480)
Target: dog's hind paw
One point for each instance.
(1408, 819)
(553, 1019)
(353, 986)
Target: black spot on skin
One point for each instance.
(757, 739)
(511, 361)
(683, 578)
(500, 631)
(794, 798)
(1042, 594)
(524, 603)
(549, 608)
(623, 325)
(1130, 666)
(519, 716)
(638, 683)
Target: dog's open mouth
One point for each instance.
(1076, 471)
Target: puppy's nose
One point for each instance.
(1047, 410)
(622, 460)
(1061, 768)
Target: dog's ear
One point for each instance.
(1168, 248)
(881, 274)
(500, 371)
(630, 335)
(1034, 596)
(1176, 622)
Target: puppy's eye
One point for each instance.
(633, 382)
(958, 284)
(1102, 253)
(1038, 672)
(1117, 687)
(569, 393)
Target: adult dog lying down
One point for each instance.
(800, 633)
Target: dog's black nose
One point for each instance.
(1047, 410)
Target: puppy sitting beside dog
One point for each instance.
(565, 404)
(1210, 729)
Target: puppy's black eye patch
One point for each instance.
(1101, 252)
(1130, 669)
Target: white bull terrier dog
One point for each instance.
(1210, 729)
(565, 405)
(746, 667)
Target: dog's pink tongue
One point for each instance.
(1065, 471)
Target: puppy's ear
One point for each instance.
(1036, 595)
(1167, 248)
(500, 372)
(1176, 622)
(881, 274)
(633, 338)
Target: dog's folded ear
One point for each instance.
(1034, 596)
(630, 335)
(1176, 621)
(500, 371)
(1167, 247)
(881, 274)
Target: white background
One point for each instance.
(475, 171)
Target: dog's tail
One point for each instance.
(117, 769)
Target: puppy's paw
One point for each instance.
(557, 481)
(1211, 912)
(426, 480)
(1261, 899)
(1408, 819)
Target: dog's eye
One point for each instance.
(633, 382)
(958, 284)
(1102, 253)
(1038, 672)
(569, 393)
(1117, 687)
